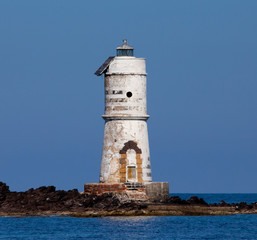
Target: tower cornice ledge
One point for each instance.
(122, 73)
(125, 117)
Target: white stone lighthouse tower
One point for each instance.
(125, 156)
(125, 166)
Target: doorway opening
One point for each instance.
(131, 174)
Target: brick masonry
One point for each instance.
(155, 191)
(100, 188)
(124, 162)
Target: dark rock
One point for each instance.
(104, 201)
(243, 205)
(194, 200)
(223, 204)
(43, 190)
(4, 190)
(253, 205)
(177, 200)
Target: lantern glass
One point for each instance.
(125, 52)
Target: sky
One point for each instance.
(201, 61)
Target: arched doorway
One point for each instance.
(130, 163)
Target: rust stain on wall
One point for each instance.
(124, 161)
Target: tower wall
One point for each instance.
(119, 152)
(116, 100)
(125, 156)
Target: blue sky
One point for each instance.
(202, 80)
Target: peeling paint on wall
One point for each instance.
(125, 156)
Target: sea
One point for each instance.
(165, 227)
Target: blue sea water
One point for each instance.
(168, 227)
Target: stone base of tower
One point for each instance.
(153, 191)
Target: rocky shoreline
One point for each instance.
(49, 201)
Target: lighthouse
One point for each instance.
(125, 155)
(125, 163)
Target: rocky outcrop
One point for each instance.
(48, 200)
(194, 200)
(237, 206)
(4, 190)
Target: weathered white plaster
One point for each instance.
(116, 133)
(131, 156)
(125, 117)
(127, 65)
